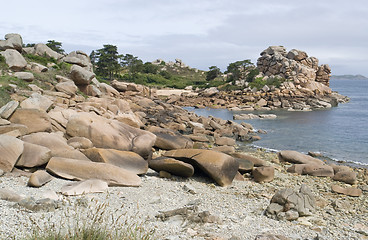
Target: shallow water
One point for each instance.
(340, 133)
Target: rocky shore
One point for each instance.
(71, 145)
(303, 86)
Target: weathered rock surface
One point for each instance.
(130, 161)
(298, 158)
(35, 119)
(10, 150)
(67, 87)
(105, 133)
(9, 195)
(56, 143)
(39, 178)
(80, 142)
(346, 177)
(84, 187)
(79, 58)
(349, 191)
(263, 174)
(12, 41)
(26, 76)
(287, 202)
(318, 170)
(219, 166)
(42, 49)
(33, 155)
(171, 165)
(14, 59)
(8, 109)
(82, 170)
(22, 129)
(81, 76)
(37, 101)
(169, 140)
(256, 161)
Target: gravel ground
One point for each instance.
(236, 211)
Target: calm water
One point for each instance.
(340, 133)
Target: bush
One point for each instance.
(3, 64)
(44, 60)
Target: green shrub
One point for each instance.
(3, 64)
(44, 60)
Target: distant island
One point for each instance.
(348, 77)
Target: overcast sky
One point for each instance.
(200, 32)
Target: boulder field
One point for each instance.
(113, 135)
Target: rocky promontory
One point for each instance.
(72, 146)
(296, 82)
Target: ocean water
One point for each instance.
(339, 133)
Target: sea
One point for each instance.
(339, 134)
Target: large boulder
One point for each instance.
(169, 140)
(219, 166)
(42, 49)
(37, 101)
(172, 166)
(33, 155)
(14, 59)
(288, 204)
(79, 58)
(56, 143)
(256, 161)
(297, 157)
(10, 150)
(84, 187)
(81, 76)
(12, 41)
(67, 87)
(82, 170)
(349, 177)
(130, 161)
(263, 174)
(106, 133)
(26, 76)
(35, 119)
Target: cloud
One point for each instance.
(202, 33)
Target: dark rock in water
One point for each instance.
(219, 166)
(287, 202)
(172, 166)
(315, 154)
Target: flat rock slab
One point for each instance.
(35, 119)
(219, 166)
(84, 187)
(349, 191)
(172, 166)
(33, 155)
(127, 160)
(169, 140)
(297, 157)
(82, 170)
(10, 150)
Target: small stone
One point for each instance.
(39, 178)
(291, 215)
(189, 188)
(164, 174)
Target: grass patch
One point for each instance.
(43, 60)
(3, 65)
(94, 221)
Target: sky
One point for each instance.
(201, 33)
